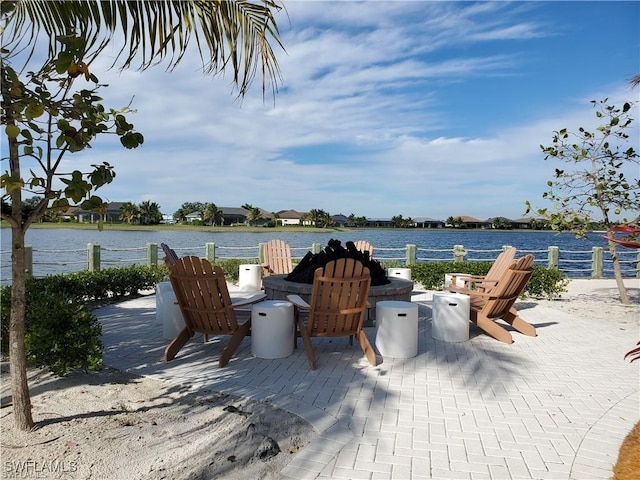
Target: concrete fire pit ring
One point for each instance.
(277, 288)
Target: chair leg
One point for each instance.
(493, 329)
(519, 324)
(232, 345)
(308, 346)
(176, 344)
(367, 348)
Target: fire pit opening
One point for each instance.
(303, 271)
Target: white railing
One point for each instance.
(594, 263)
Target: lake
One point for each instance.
(64, 250)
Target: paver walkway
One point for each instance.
(552, 407)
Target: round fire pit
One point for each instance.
(277, 288)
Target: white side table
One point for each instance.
(167, 311)
(249, 278)
(404, 273)
(397, 329)
(450, 317)
(272, 329)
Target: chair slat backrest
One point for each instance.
(339, 298)
(364, 246)
(501, 264)
(202, 294)
(506, 292)
(170, 256)
(277, 258)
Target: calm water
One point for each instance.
(65, 250)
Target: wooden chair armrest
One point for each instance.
(453, 288)
(241, 301)
(465, 276)
(298, 302)
(473, 293)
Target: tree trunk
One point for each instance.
(17, 354)
(624, 296)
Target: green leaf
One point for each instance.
(63, 62)
(34, 110)
(60, 204)
(12, 131)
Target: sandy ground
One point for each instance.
(112, 425)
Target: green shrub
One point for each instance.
(231, 267)
(61, 333)
(431, 274)
(110, 283)
(545, 282)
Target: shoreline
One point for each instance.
(279, 229)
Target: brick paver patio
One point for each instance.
(552, 407)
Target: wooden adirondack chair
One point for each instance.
(484, 283)
(170, 256)
(497, 303)
(202, 294)
(363, 246)
(277, 258)
(338, 306)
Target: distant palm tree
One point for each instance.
(212, 215)
(254, 214)
(129, 212)
(150, 213)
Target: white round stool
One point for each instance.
(450, 317)
(167, 311)
(397, 329)
(404, 273)
(272, 333)
(249, 278)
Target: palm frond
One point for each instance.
(240, 34)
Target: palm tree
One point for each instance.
(254, 213)
(212, 215)
(228, 34)
(320, 218)
(129, 212)
(235, 34)
(149, 213)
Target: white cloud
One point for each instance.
(365, 121)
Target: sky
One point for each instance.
(419, 108)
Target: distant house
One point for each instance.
(471, 222)
(239, 216)
(234, 215)
(339, 220)
(530, 223)
(289, 217)
(193, 217)
(379, 222)
(425, 222)
(112, 214)
(501, 223)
